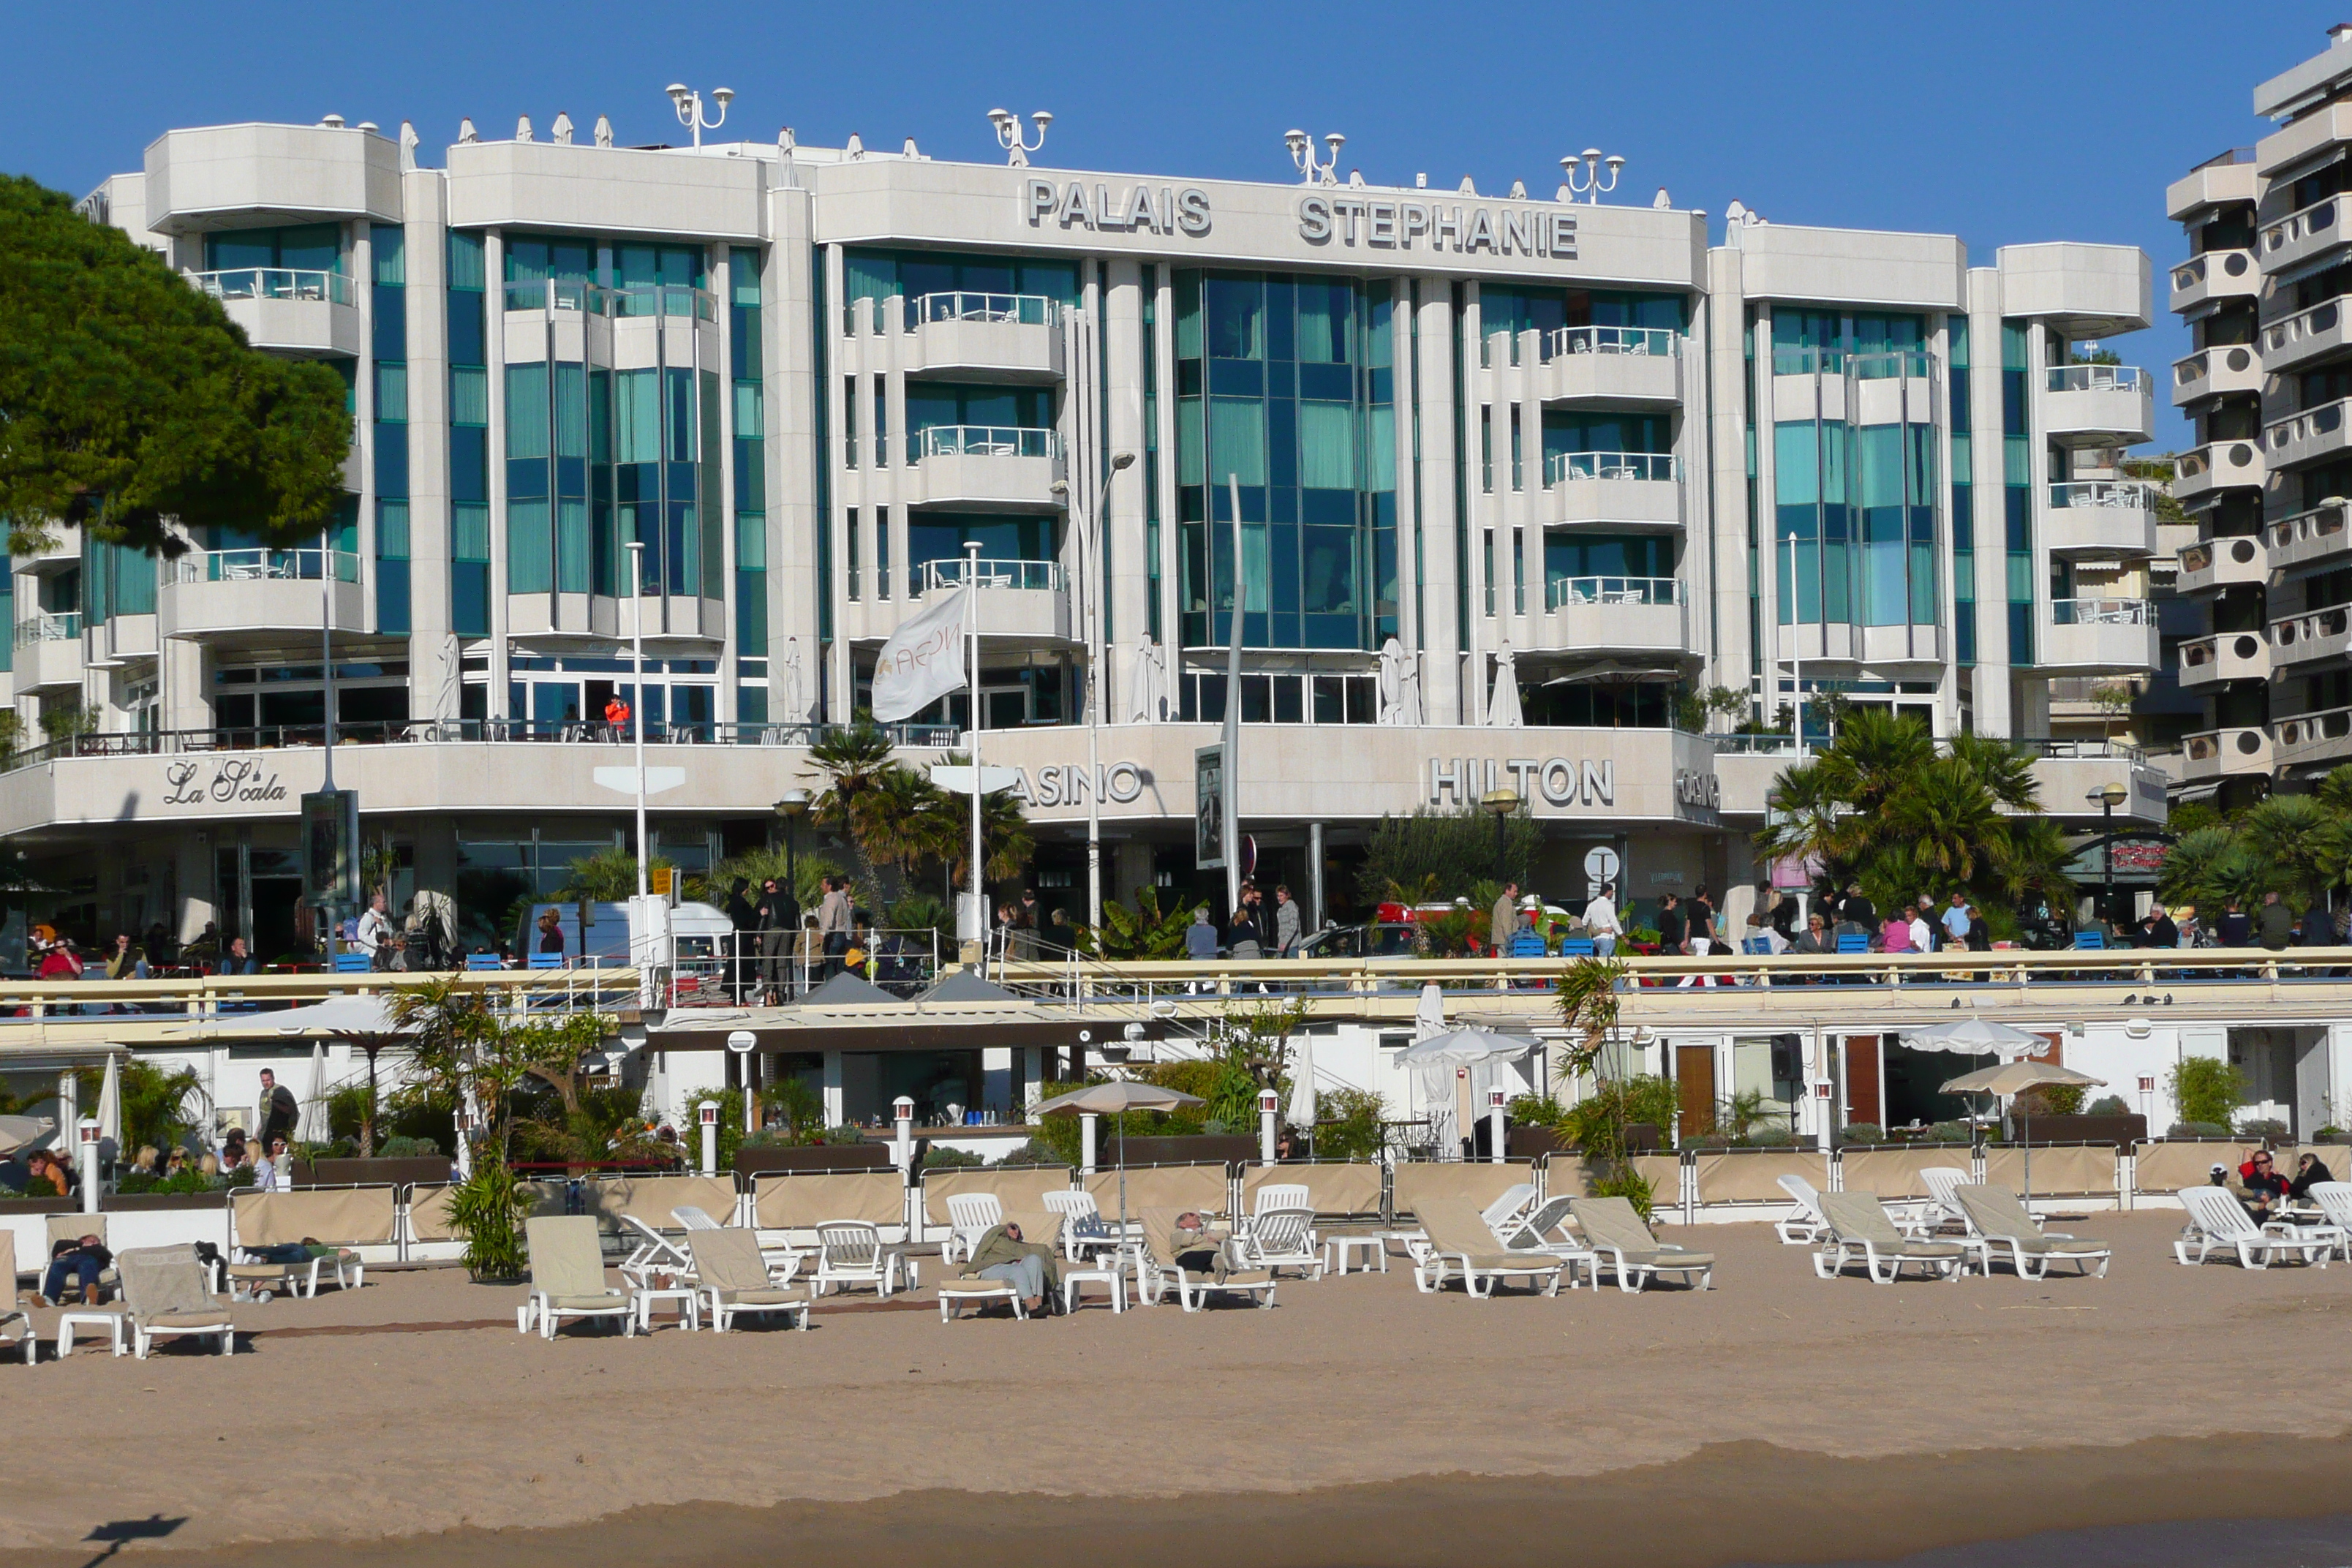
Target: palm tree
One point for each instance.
(854, 763)
(2031, 863)
(1946, 823)
(2288, 834)
(1803, 825)
(2005, 770)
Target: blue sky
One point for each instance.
(1995, 120)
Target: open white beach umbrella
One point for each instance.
(1111, 1099)
(17, 1131)
(2013, 1079)
(1976, 1037)
(1438, 1064)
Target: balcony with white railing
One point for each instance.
(2216, 276)
(1022, 604)
(2225, 753)
(1638, 490)
(2215, 372)
(1638, 615)
(2211, 564)
(2100, 636)
(2324, 634)
(983, 337)
(2098, 406)
(2101, 518)
(573, 296)
(288, 309)
(259, 594)
(1636, 365)
(2301, 236)
(48, 650)
(2225, 655)
(983, 467)
(2308, 437)
(2306, 738)
(2307, 537)
(2204, 471)
(2293, 341)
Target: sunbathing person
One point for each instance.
(81, 1260)
(1028, 1266)
(2309, 1172)
(1197, 1248)
(2265, 1188)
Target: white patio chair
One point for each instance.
(734, 1278)
(1996, 1219)
(2334, 1201)
(1620, 1241)
(1084, 1229)
(850, 1252)
(1280, 1240)
(567, 1277)
(1943, 1204)
(971, 1215)
(1515, 1201)
(1460, 1240)
(1806, 1225)
(2217, 1222)
(782, 1262)
(1543, 1229)
(1860, 1229)
(652, 1253)
(164, 1291)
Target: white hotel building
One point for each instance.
(1613, 451)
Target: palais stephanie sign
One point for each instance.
(220, 781)
(1350, 220)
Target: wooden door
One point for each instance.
(1862, 1092)
(1695, 1087)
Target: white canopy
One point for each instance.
(1490, 1060)
(1976, 1037)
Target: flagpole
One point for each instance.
(979, 904)
(1232, 734)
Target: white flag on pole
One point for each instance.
(922, 662)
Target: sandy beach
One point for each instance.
(1358, 1422)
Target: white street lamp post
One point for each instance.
(689, 104)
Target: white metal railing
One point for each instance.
(2311, 425)
(2093, 378)
(2315, 634)
(46, 626)
(2100, 612)
(1863, 364)
(2324, 317)
(2127, 495)
(274, 283)
(1562, 591)
(2296, 226)
(955, 571)
(596, 300)
(1020, 310)
(1561, 467)
(263, 565)
(1565, 340)
(982, 441)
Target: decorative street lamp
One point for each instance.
(1009, 135)
(1590, 163)
(689, 104)
(1318, 171)
(2109, 795)
(1502, 802)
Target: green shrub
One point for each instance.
(2206, 1089)
(1951, 1133)
(1863, 1133)
(2263, 1127)
(2198, 1130)
(488, 1209)
(400, 1146)
(1629, 1184)
(188, 1180)
(1771, 1137)
(1348, 1125)
(1539, 1110)
(841, 1137)
(938, 1159)
(2109, 1105)
(1590, 1124)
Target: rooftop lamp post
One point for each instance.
(689, 104)
(1502, 802)
(1590, 163)
(2109, 795)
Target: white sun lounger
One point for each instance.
(1460, 1242)
(164, 1292)
(2219, 1223)
(1282, 1239)
(1996, 1220)
(1860, 1229)
(567, 1277)
(2334, 1201)
(1614, 1231)
(1805, 1225)
(1544, 1229)
(1161, 1271)
(971, 1215)
(733, 1279)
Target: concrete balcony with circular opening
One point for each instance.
(2099, 636)
(1636, 615)
(2308, 538)
(2301, 235)
(259, 596)
(2312, 436)
(2214, 372)
(2296, 340)
(288, 311)
(2225, 655)
(2325, 737)
(2098, 406)
(1641, 490)
(2314, 635)
(1634, 366)
(48, 651)
(2213, 277)
(2101, 518)
(1023, 605)
(2212, 565)
(2225, 753)
(2202, 473)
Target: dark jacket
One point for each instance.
(2318, 926)
(1674, 929)
(2300, 1188)
(2236, 930)
(2274, 926)
(2163, 933)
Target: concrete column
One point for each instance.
(1440, 637)
(86, 1156)
(1088, 1132)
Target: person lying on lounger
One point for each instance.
(1028, 1266)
